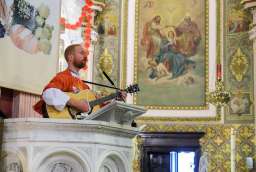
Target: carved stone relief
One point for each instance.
(63, 162)
(12, 163)
(13, 167)
(61, 167)
(109, 165)
(112, 163)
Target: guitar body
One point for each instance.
(87, 95)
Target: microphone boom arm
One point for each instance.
(102, 85)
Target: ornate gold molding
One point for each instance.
(216, 142)
(106, 62)
(239, 65)
(137, 142)
(146, 120)
(219, 97)
(154, 118)
(124, 44)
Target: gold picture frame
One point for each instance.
(154, 118)
(138, 48)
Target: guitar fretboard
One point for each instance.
(103, 99)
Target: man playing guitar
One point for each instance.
(67, 81)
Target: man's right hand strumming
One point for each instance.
(81, 105)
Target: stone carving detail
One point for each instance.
(11, 163)
(109, 164)
(49, 152)
(13, 167)
(61, 167)
(113, 163)
(62, 163)
(105, 169)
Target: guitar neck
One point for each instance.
(103, 99)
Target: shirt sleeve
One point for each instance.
(56, 98)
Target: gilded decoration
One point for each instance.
(216, 143)
(110, 48)
(219, 97)
(148, 120)
(137, 142)
(238, 62)
(105, 62)
(239, 65)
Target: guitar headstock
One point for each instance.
(132, 88)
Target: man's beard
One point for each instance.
(80, 64)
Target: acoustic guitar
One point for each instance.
(72, 113)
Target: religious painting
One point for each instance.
(28, 26)
(29, 32)
(240, 103)
(238, 61)
(109, 49)
(171, 53)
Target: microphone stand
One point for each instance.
(102, 85)
(112, 83)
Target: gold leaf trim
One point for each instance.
(239, 65)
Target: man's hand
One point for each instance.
(81, 105)
(122, 96)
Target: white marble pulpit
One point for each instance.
(47, 145)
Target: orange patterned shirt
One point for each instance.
(64, 81)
